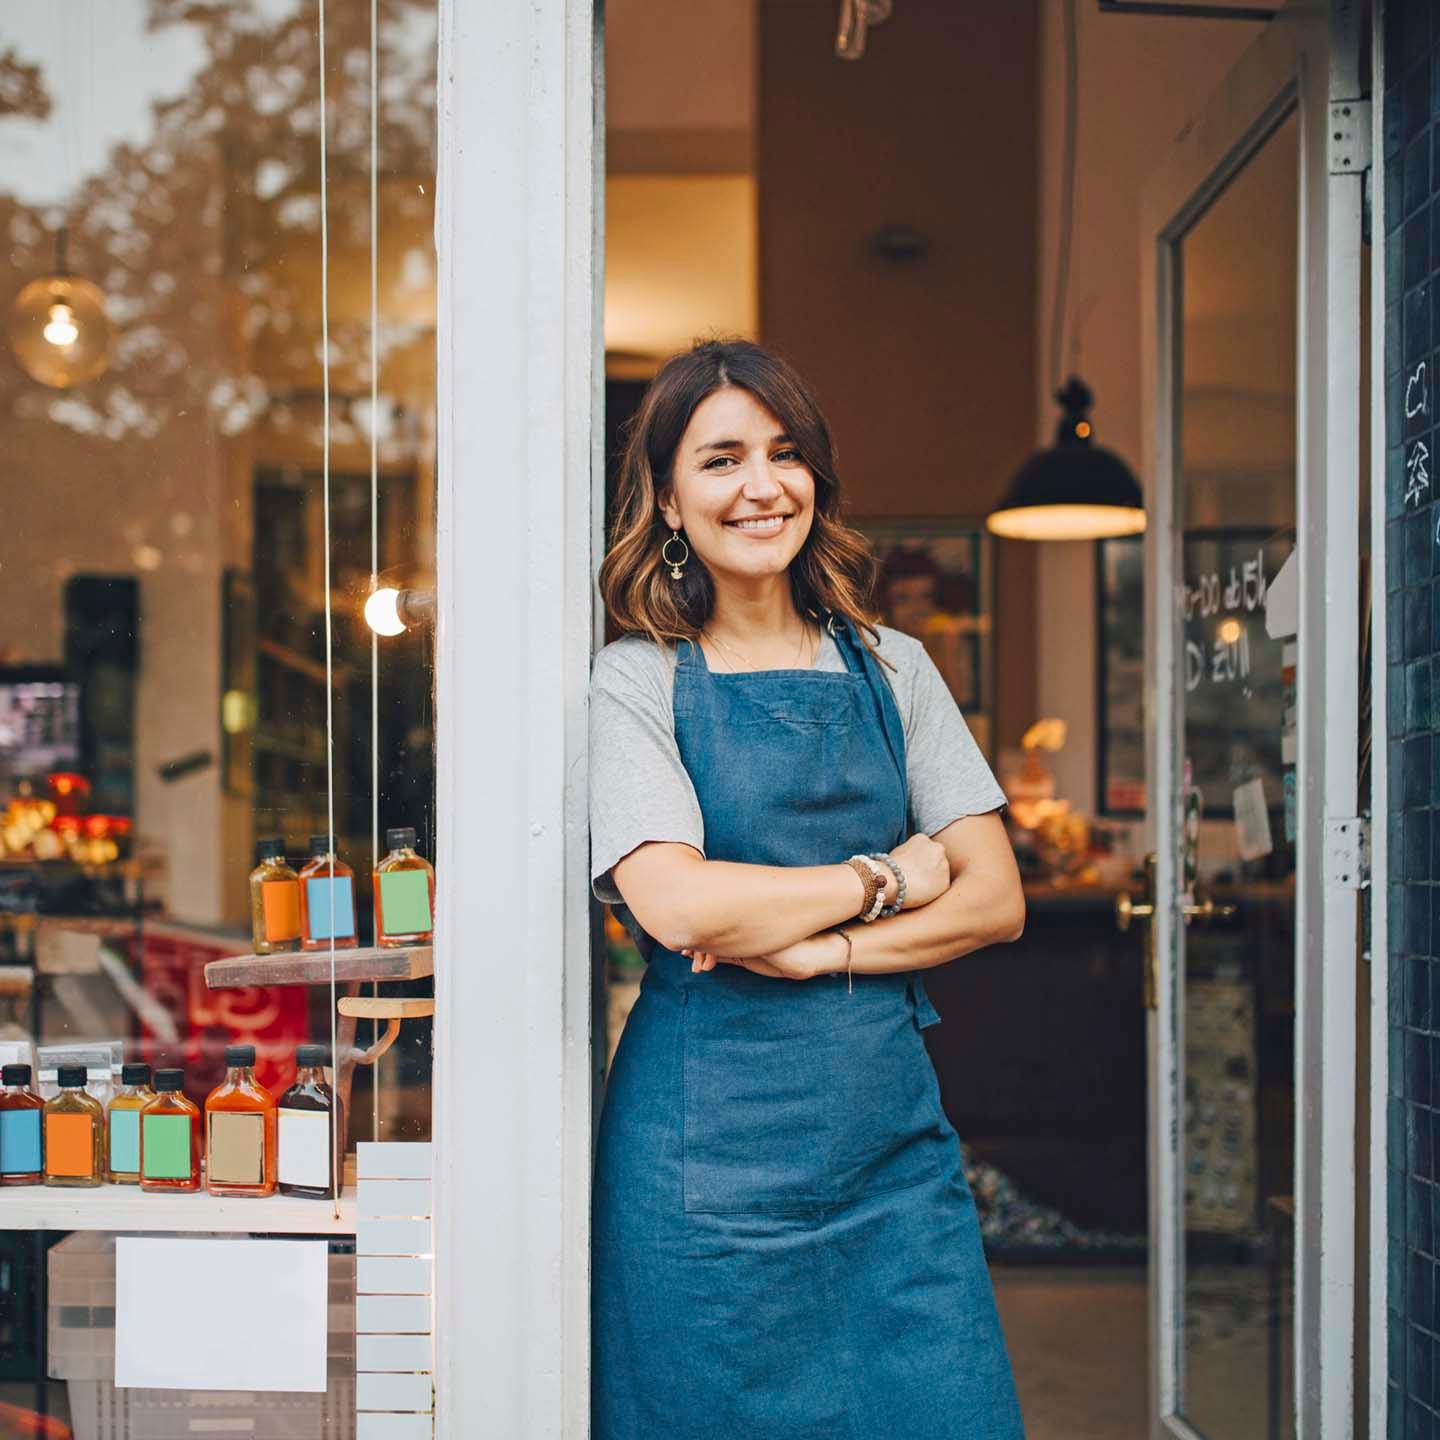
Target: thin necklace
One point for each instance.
(750, 664)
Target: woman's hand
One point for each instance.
(926, 867)
(803, 960)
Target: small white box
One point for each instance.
(393, 1159)
(393, 1199)
(392, 1275)
(392, 1314)
(414, 1393)
(393, 1237)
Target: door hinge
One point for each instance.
(1347, 852)
(1349, 143)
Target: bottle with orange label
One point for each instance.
(74, 1132)
(274, 900)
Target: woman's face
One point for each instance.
(740, 491)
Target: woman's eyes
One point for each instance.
(789, 455)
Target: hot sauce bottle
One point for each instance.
(320, 893)
(74, 1132)
(170, 1137)
(274, 899)
(312, 1129)
(122, 1125)
(240, 1124)
(404, 893)
(20, 1129)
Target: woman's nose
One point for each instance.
(760, 484)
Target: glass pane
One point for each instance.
(172, 690)
(1237, 848)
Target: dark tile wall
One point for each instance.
(1411, 217)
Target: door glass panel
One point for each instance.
(1236, 851)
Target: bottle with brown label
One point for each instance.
(274, 900)
(240, 1130)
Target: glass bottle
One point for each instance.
(74, 1132)
(404, 893)
(170, 1137)
(240, 1130)
(312, 1129)
(122, 1125)
(274, 899)
(20, 1112)
(316, 892)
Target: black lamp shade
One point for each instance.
(1073, 491)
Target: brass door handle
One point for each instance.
(1127, 910)
(1207, 910)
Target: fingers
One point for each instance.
(701, 960)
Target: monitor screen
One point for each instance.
(39, 724)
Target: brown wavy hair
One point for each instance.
(834, 571)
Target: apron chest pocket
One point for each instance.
(809, 1119)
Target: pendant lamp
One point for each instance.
(1074, 490)
(58, 327)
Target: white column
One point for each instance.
(519, 342)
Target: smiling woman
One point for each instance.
(796, 821)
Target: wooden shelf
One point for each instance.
(364, 1007)
(128, 1208)
(312, 967)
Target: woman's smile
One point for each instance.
(760, 526)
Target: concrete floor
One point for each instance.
(1077, 1342)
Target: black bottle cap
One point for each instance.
(307, 1056)
(319, 844)
(401, 838)
(273, 849)
(135, 1074)
(170, 1079)
(70, 1075)
(15, 1075)
(237, 1055)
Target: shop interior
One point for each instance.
(231, 460)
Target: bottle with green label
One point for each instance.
(170, 1137)
(122, 1125)
(404, 893)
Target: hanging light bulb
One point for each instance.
(391, 612)
(58, 327)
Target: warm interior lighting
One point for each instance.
(61, 328)
(1229, 630)
(382, 612)
(1074, 490)
(1065, 522)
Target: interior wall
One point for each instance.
(1140, 79)
(924, 365)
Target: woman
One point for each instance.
(785, 1247)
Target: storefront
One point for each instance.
(312, 305)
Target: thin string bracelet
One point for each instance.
(849, 957)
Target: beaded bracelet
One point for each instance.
(874, 883)
(899, 875)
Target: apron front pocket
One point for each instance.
(808, 1119)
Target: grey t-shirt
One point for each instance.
(640, 790)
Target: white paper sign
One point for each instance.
(1252, 821)
(224, 1314)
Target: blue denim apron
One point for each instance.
(785, 1246)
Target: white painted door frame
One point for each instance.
(1307, 55)
(520, 363)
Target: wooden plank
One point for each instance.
(369, 1007)
(415, 1393)
(393, 1159)
(312, 967)
(401, 1353)
(129, 1209)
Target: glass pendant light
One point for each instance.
(1074, 490)
(58, 327)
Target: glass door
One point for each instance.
(1251, 650)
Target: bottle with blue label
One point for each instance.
(122, 1125)
(327, 899)
(20, 1135)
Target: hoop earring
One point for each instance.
(677, 567)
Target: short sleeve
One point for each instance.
(640, 790)
(947, 773)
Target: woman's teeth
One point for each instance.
(760, 527)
